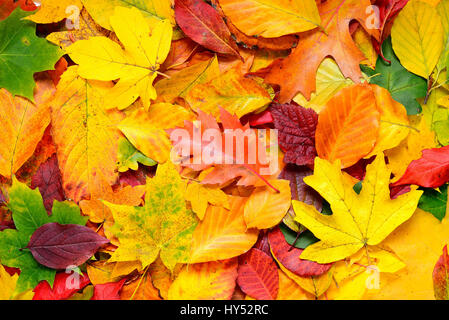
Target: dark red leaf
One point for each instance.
(399, 191)
(262, 242)
(358, 170)
(59, 246)
(430, 171)
(258, 275)
(301, 191)
(48, 180)
(108, 291)
(441, 277)
(64, 287)
(200, 22)
(296, 126)
(289, 256)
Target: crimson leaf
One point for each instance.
(296, 126)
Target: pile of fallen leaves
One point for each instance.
(97, 200)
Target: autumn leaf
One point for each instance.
(356, 221)
(265, 207)
(100, 58)
(349, 126)
(29, 214)
(200, 196)
(336, 41)
(271, 19)
(230, 91)
(128, 157)
(23, 54)
(78, 111)
(51, 11)
(152, 10)
(222, 234)
(258, 275)
(48, 180)
(441, 277)
(164, 216)
(417, 37)
(201, 23)
(205, 281)
(61, 290)
(24, 126)
(297, 127)
(405, 87)
(430, 171)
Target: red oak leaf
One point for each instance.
(296, 126)
(64, 287)
(430, 171)
(258, 275)
(289, 256)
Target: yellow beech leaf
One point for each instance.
(87, 28)
(183, 81)
(410, 148)
(265, 207)
(231, 91)
(394, 123)
(23, 126)
(329, 80)
(162, 225)
(205, 281)
(84, 134)
(414, 282)
(358, 220)
(200, 195)
(222, 234)
(271, 18)
(146, 130)
(100, 58)
(152, 10)
(51, 11)
(417, 37)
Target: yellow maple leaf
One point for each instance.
(100, 58)
(162, 225)
(52, 11)
(200, 195)
(357, 221)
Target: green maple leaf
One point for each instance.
(405, 87)
(28, 213)
(435, 202)
(129, 157)
(22, 54)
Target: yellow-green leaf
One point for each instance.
(417, 37)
